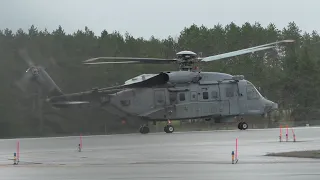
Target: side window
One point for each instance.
(214, 95)
(229, 92)
(205, 95)
(182, 97)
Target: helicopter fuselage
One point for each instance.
(190, 95)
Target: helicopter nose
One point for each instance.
(274, 106)
(269, 105)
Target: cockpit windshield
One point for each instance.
(252, 92)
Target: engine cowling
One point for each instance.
(183, 77)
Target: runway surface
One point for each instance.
(187, 155)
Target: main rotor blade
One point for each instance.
(130, 60)
(234, 53)
(274, 43)
(244, 51)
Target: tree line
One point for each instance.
(288, 76)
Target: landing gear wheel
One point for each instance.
(144, 130)
(243, 126)
(168, 129)
(239, 125)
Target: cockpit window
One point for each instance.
(252, 92)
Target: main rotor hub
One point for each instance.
(187, 60)
(186, 55)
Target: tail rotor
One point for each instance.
(36, 77)
(30, 75)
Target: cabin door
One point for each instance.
(229, 94)
(208, 100)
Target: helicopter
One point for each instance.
(187, 93)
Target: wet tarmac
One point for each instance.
(187, 155)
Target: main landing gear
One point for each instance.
(242, 126)
(144, 129)
(168, 128)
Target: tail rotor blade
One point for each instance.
(24, 82)
(24, 55)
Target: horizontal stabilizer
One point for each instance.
(65, 104)
(71, 102)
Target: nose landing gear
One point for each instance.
(168, 128)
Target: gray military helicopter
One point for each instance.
(184, 94)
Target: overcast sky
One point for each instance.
(160, 18)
